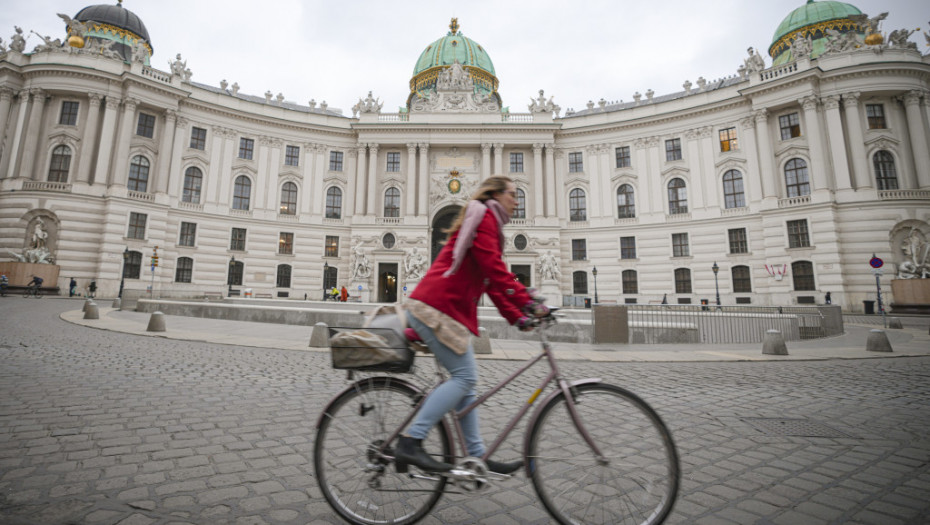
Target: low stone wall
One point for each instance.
(20, 274)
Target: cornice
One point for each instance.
(196, 105)
(653, 120)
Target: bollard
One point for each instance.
(87, 302)
(895, 322)
(774, 343)
(319, 337)
(482, 343)
(156, 323)
(117, 304)
(878, 341)
(91, 311)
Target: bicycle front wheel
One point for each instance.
(361, 483)
(635, 480)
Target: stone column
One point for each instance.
(411, 190)
(841, 175)
(593, 198)
(350, 166)
(120, 172)
(766, 157)
(553, 190)
(11, 153)
(559, 164)
(423, 185)
(224, 151)
(538, 178)
(105, 148)
(498, 159)
(658, 196)
(361, 185)
(695, 138)
(90, 135)
(607, 196)
(319, 172)
(707, 189)
(646, 182)
(164, 152)
(818, 168)
(919, 142)
(33, 132)
(860, 170)
(371, 187)
(753, 178)
(6, 100)
(265, 189)
(485, 161)
(174, 167)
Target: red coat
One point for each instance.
(482, 271)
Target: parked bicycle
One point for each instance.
(595, 452)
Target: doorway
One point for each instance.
(387, 282)
(441, 221)
(522, 271)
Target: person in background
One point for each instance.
(4, 283)
(344, 294)
(828, 299)
(93, 289)
(72, 288)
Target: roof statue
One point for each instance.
(454, 92)
(837, 42)
(801, 47)
(368, 105)
(541, 105)
(17, 41)
(898, 38)
(47, 45)
(755, 62)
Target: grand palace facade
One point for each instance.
(775, 185)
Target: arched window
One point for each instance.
(392, 202)
(580, 282)
(139, 174)
(519, 212)
(682, 280)
(132, 267)
(626, 205)
(577, 208)
(885, 174)
(284, 276)
(733, 196)
(242, 193)
(803, 274)
(334, 203)
(741, 281)
(193, 180)
(61, 163)
(796, 179)
(330, 275)
(185, 269)
(234, 277)
(677, 196)
(288, 199)
(630, 285)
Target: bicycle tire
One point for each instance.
(639, 484)
(353, 424)
(27, 292)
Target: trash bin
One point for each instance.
(247, 293)
(869, 307)
(704, 303)
(587, 302)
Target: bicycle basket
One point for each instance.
(370, 349)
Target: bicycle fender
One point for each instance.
(353, 386)
(552, 395)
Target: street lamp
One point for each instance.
(325, 269)
(716, 269)
(229, 277)
(594, 273)
(122, 280)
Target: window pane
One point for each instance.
(790, 126)
(184, 270)
(393, 161)
(741, 280)
(630, 286)
(188, 234)
(519, 211)
(797, 234)
(245, 148)
(234, 277)
(198, 138)
(332, 246)
(242, 193)
(796, 179)
(136, 225)
(146, 126)
(237, 239)
(334, 203)
(876, 116)
(673, 149)
(579, 283)
(69, 113)
(575, 162)
(680, 245)
(286, 243)
(579, 249)
(292, 155)
(627, 247)
(733, 194)
(886, 175)
(728, 139)
(335, 161)
(682, 280)
(577, 208)
(132, 267)
(738, 243)
(288, 199)
(626, 206)
(516, 163)
(193, 179)
(138, 174)
(60, 164)
(392, 202)
(623, 157)
(803, 274)
(677, 197)
(284, 276)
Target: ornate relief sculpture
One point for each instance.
(548, 267)
(368, 105)
(361, 266)
(801, 47)
(414, 264)
(916, 251)
(455, 93)
(541, 105)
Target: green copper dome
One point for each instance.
(812, 20)
(454, 47)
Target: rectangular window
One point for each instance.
(630, 286)
(876, 115)
(188, 234)
(683, 282)
(246, 146)
(393, 161)
(237, 240)
(738, 243)
(292, 156)
(184, 270)
(332, 246)
(627, 247)
(198, 138)
(741, 281)
(69, 112)
(623, 157)
(516, 163)
(335, 161)
(576, 162)
(579, 249)
(790, 126)
(680, 245)
(728, 139)
(673, 149)
(579, 283)
(286, 244)
(797, 234)
(146, 126)
(136, 225)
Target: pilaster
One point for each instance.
(837, 138)
(33, 132)
(538, 182)
(919, 138)
(410, 192)
(860, 170)
(372, 187)
(423, 184)
(818, 167)
(105, 148)
(88, 146)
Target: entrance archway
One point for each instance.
(441, 221)
(387, 282)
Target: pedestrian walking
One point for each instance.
(72, 288)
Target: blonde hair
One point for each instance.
(489, 186)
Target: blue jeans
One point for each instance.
(456, 393)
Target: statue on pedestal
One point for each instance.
(414, 264)
(548, 267)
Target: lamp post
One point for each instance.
(594, 273)
(122, 280)
(229, 277)
(716, 269)
(325, 269)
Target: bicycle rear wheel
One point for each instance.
(357, 481)
(637, 482)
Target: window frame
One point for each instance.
(242, 193)
(198, 138)
(681, 246)
(519, 211)
(794, 186)
(291, 155)
(392, 164)
(137, 225)
(628, 247)
(190, 193)
(576, 162)
(138, 180)
(234, 273)
(246, 148)
(673, 150)
(875, 116)
(738, 241)
(145, 125)
(288, 204)
(68, 115)
(629, 282)
(627, 210)
(683, 281)
(391, 202)
(579, 249)
(335, 160)
(742, 282)
(623, 157)
(886, 173)
(187, 234)
(331, 246)
(803, 281)
(283, 273)
(789, 125)
(132, 267)
(579, 282)
(516, 162)
(577, 205)
(728, 140)
(237, 244)
(677, 196)
(184, 270)
(734, 192)
(59, 166)
(798, 233)
(286, 243)
(333, 203)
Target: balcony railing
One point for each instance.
(516, 117)
(730, 212)
(388, 220)
(33, 185)
(393, 117)
(890, 195)
(141, 196)
(794, 201)
(193, 206)
(240, 213)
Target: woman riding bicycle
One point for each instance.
(443, 312)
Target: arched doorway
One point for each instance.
(387, 282)
(441, 221)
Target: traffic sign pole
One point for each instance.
(876, 265)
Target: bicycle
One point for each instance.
(33, 290)
(595, 452)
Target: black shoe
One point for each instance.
(410, 452)
(498, 467)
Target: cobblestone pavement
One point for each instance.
(101, 427)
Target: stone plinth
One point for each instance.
(911, 296)
(20, 273)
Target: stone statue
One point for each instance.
(455, 77)
(18, 41)
(138, 51)
(75, 27)
(541, 105)
(361, 266)
(870, 25)
(837, 42)
(755, 62)
(3, 47)
(414, 264)
(548, 267)
(38, 246)
(801, 47)
(368, 105)
(177, 66)
(917, 252)
(48, 45)
(898, 38)
(39, 235)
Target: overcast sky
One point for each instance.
(338, 51)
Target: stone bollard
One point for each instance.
(156, 323)
(774, 343)
(878, 341)
(117, 304)
(482, 343)
(87, 302)
(895, 322)
(91, 311)
(319, 337)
